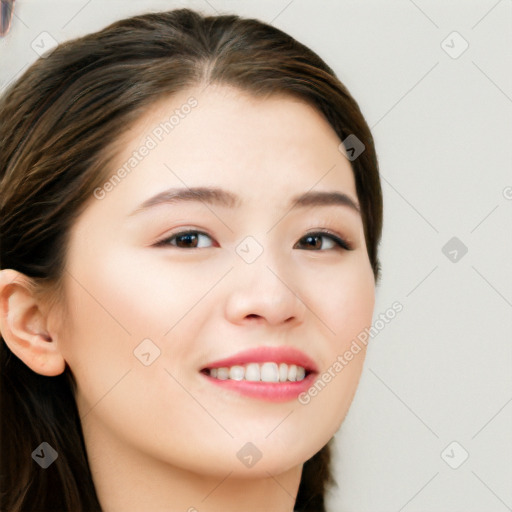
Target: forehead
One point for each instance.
(223, 136)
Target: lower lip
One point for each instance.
(269, 391)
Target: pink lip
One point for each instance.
(288, 355)
(269, 391)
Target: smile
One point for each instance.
(276, 374)
(255, 372)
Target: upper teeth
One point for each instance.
(266, 372)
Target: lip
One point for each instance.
(288, 355)
(268, 391)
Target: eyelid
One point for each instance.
(341, 241)
(181, 231)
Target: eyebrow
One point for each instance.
(221, 197)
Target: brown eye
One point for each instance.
(184, 240)
(314, 241)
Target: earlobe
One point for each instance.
(23, 326)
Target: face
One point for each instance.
(160, 295)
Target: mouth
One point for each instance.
(268, 373)
(256, 372)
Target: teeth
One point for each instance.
(252, 372)
(266, 372)
(236, 372)
(269, 372)
(222, 373)
(283, 372)
(292, 373)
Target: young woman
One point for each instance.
(190, 214)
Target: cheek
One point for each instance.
(352, 303)
(346, 307)
(343, 299)
(139, 293)
(117, 301)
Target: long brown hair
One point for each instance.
(59, 124)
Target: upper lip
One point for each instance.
(266, 354)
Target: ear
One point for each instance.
(23, 326)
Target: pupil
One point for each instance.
(187, 238)
(309, 238)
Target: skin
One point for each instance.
(160, 437)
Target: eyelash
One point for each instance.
(340, 242)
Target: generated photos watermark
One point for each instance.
(156, 136)
(344, 359)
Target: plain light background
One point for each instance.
(430, 428)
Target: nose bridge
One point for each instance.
(262, 285)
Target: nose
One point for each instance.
(263, 293)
